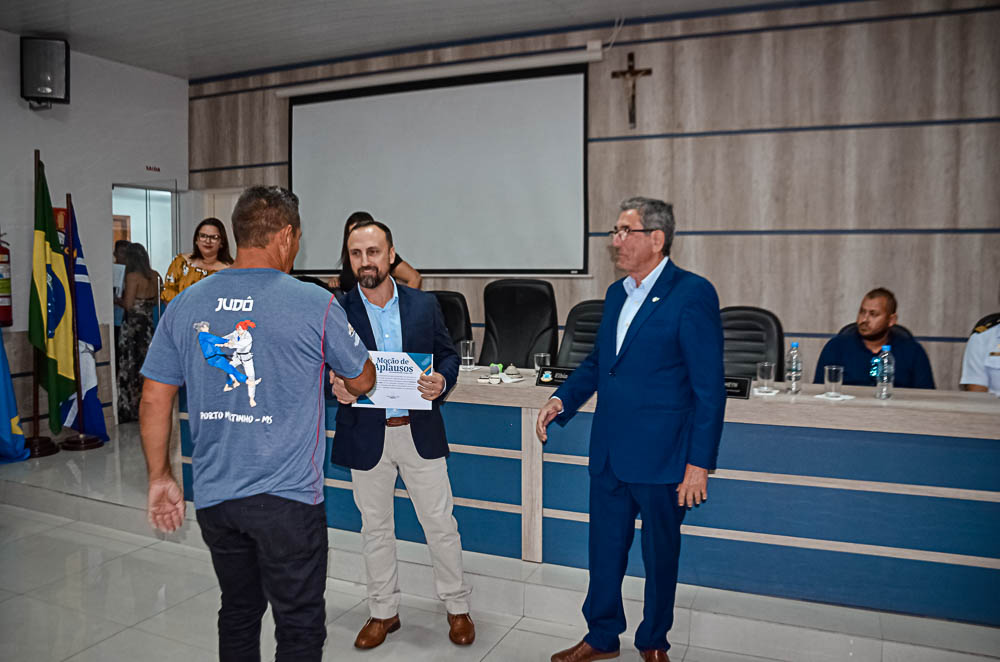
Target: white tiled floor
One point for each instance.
(72, 589)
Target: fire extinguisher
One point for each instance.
(6, 311)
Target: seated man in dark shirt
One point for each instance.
(856, 348)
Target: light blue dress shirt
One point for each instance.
(635, 295)
(387, 329)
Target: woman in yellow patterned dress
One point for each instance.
(209, 254)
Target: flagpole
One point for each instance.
(81, 441)
(37, 445)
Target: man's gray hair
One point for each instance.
(655, 215)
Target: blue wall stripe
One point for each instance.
(896, 585)
(472, 476)
(482, 425)
(567, 487)
(186, 480)
(891, 520)
(887, 457)
(862, 455)
(472, 425)
(238, 167)
(485, 478)
(571, 439)
(902, 521)
(187, 446)
(484, 531)
(341, 511)
(794, 129)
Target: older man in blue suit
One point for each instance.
(658, 373)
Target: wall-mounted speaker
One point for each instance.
(44, 70)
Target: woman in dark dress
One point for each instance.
(400, 269)
(139, 296)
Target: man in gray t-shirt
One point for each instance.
(250, 344)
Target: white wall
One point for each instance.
(120, 120)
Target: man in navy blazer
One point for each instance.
(658, 372)
(379, 444)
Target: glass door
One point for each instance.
(146, 216)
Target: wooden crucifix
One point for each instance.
(630, 76)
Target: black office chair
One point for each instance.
(580, 333)
(751, 335)
(989, 320)
(898, 329)
(456, 315)
(520, 321)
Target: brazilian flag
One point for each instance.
(50, 313)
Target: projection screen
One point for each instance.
(479, 175)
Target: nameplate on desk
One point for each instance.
(552, 375)
(738, 387)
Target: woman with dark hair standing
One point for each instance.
(400, 269)
(139, 297)
(210, 253)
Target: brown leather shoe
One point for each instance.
(463, 630)
(655, 656)
(374, 631)
(582, 652)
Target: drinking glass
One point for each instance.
(468, 350)
(833, 378)
(542, 359)
(765, 375)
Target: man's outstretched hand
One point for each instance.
(165, 505)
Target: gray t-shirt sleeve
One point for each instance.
(342, 348)
(163, 360)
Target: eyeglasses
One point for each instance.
(211, 238)
(623, 233)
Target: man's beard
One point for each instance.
(370, 278)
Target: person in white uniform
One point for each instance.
(981, 363)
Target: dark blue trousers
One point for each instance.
(269, 549)
(613, 508)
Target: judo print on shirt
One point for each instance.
(240, 340)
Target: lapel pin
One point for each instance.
(655, 299)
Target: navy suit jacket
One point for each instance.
(660, 400)
(360, 434)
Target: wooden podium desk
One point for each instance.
(891, 505)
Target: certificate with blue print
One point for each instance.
(396, 375)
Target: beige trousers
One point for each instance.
(429, 489)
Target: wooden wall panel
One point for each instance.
(881, 66)
(238, 129)
(901, 70)
(814, 283)
(915, 177)
(619, 170)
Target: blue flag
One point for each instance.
(89, 337)
(11, 436)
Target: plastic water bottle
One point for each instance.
(885, 373)
(793, 369)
